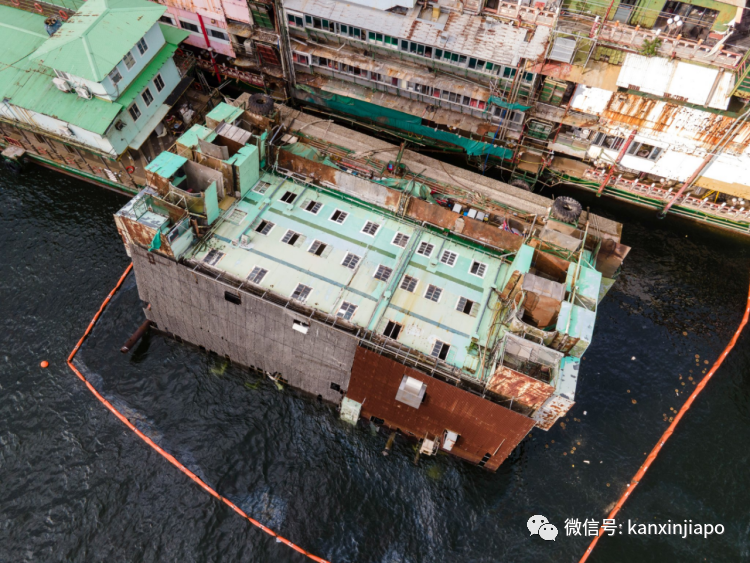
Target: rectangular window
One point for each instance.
(232, 298)
(213, 257)
(400, 240)
(115, 76)
(129, 60)
(290, 237)
(147, 97)
(308, 20)
(142, 46)
(317, 248)
(134, 112)
(433, 293)
(409, 284)
(288, 197)
(346, 311)
(166, 18)
(261, 187)
(302, 292)
(216, 34)
(257, 275)
(478, 269)
(370, 228)
(301, 59)
(392, 330)
(440, 350)
(350, 260)
(264, 227)
(159, 83)
(404, 45)
(339, 216)
(425, 249)
(467, 306)
(449, 258)
(383, 273)
(313, 207)
(237, 216)
(189, 26)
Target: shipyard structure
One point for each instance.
(424, 298)
(641, 100)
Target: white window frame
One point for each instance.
(150, 95)
(137, 109)
(443, 345)
(427, 289)
(183, 23)
(209, 29)
(403, 279)
(290, 237)
(293, 196)
(486, 267)
(470, 309)
(399, 234)
(390, 273)
(128, 56)
(158, 79)
(345, 213)
(428, 245)
(377, 229)
(319, 243)
(314, 203)
(262, 277)
(304, 299)
(115, 71)
(170, 17)
(341, 308)
(455, 260)
(273, 226)
(142, 50)
(359, 259)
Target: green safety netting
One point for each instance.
(309, 153)
(499, 102)
(413, 188)
(400, 120)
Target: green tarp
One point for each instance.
(400, 120)
(413, 188)
(499, 102)
(156, 242)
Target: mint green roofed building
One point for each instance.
(103, 80)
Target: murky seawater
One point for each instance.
(76, 485)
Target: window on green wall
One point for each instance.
(404, 45)
(370, 35)
(438, 53)
(308, 20)
(391, 41)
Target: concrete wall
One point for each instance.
(255, 333)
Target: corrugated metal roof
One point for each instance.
(590, 100)
(98, 36)
(660, 76)
(468, 35)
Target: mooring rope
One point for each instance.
(169, 457)
(670, 430)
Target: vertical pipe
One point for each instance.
(616, 162)
(209, 48)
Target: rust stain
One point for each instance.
(526, 390)
(483, 427)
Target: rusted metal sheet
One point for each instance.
(138, 233)
(483, 427)
(477, 230)
(554, 408)
(541, 309)
(306, 167)
(553, 267)
(610, 257)
(521, 388)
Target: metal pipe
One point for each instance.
(137, 335)
(209, 48)
(620, 155)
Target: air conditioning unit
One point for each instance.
(84, 92)
(66, 132)
(62, 84)
(120, 125)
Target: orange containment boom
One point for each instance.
(169, 457)
(670, 430)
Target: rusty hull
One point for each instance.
(483, 427)
(521, 388)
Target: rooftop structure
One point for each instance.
(103, 80)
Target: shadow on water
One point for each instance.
(76, 485)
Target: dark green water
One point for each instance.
(76, 485)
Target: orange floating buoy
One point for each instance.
(44, 363)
